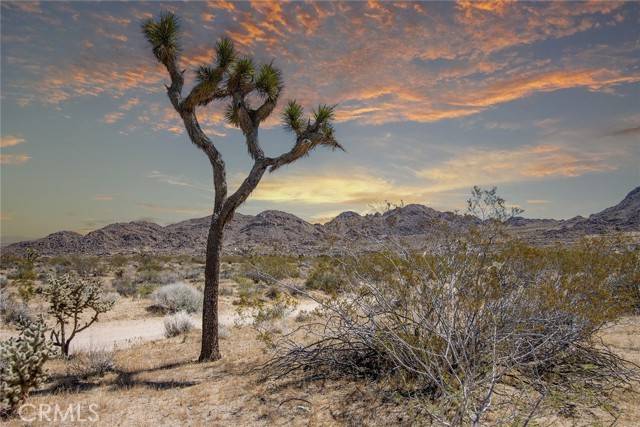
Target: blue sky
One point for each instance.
(540, 99)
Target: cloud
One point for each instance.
(11, 140)
(116, 116)
(14, 159)
(538, 202)
(179, 181)
(357, 187)
(113, 117)
(528, 163)
(545, 82)
(626, 131)
(381, 62)
(102, 197)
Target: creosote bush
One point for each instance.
(481, 324)
(459, 328)
(177, 324)
(22, 362)
(178, 297)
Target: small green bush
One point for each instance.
(268, 268)
(326, 276)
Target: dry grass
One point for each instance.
(157, 383)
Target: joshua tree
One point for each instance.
(251, 94)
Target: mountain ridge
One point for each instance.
(278, 231)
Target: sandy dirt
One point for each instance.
(125, 333)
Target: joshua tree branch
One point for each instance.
(304, 144)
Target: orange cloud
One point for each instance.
(11, 140)
(375, 59)
(114, 117)
(545, 82)
(14, 159)
(491, 167)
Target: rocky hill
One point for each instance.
(281, 232)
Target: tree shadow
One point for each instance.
(123, 380)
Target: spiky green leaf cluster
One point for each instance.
(242, 73)
(225, 53)
(292, 116)
(231, 115)
(324, 114)
(269, 82)
(164, 36)
(208, 76)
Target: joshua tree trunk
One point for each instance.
(209, 348)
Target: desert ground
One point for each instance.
(155, 380)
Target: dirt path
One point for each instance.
(124, 333)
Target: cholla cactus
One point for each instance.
(69, 297)
(22, 362)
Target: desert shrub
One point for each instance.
(118, 261)
(481, 323)
(11, 311)
(149, 263)
(93, 362)
(9, 261)
(147, 276)
(248, 291)
(233, 259)
(25, 276)
(178, 297)
(158, 277)
(326, 276)
(86, 266)
(146, 289)
(177, 324)
(268, 318)
(303, 316)
(223, 332)
(269, 268)
(458, 325)
(225, 291)
(166, 277)
(22, 362)
(124, 286)
(75, 304)
(193, 273)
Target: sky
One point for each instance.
(539, 99)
